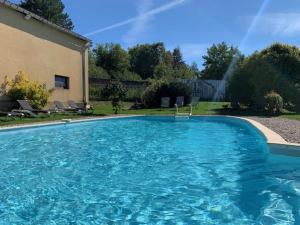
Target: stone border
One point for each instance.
(276, 144)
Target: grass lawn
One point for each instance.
(104, 108)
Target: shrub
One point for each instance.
(153, 94)
(273, 103)
(20, 88)
(116, 93)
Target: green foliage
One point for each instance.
(161, 88)
(112, 57)
(177, 59)
(163, 71)
(126, 75)
(273, 103)
(116, 93)
(285, 59)
(20, 88)
(50, 10)
(144, 58)
(145, 61)
(220, 59)
(256, 77)
(134, 94)
(151, 96)
(94, 70)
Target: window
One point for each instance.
(61, 82)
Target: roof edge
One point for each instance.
(53, 25)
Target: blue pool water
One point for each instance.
(146, 170)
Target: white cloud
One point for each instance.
(281, 24)
(140, 25)
(145, 16)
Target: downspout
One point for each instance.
(85, 47)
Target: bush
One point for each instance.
(273, 103)
(151, 97)
(116, 93)
(153, 94)
(20, 88)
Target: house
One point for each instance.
(50, 54)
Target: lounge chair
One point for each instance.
(11, 114)
(26, 109)
(86, 109)
(73, 105)
(165, 102)
(61, 107)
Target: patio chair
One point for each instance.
(179, 101)
(27, 109)
(195, 101)
(165, 102)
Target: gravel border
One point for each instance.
(288, 129)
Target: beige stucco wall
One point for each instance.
(42, 51)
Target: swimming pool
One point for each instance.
(151, 170)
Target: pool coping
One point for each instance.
(275, 142)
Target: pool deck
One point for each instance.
(279, 133)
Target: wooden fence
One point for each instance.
(207, 89)
(128, 84)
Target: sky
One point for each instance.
(192, 25)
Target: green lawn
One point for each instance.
(104, 108)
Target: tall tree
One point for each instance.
(52, 10)
(195, 69)
(94, 70)
(177, 59)
(112, 57)
(144, 58)
(220, 59)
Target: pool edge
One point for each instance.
(276, 143)
(62, 122)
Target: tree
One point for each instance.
(112, 57)
(144, 58)
(94, 70)
(255, 78)
(177, 59)
(285, 59)
(50, 10)
(195, 70)
(221, 59)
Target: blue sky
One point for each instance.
(193, 25)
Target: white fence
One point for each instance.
(207, 89)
